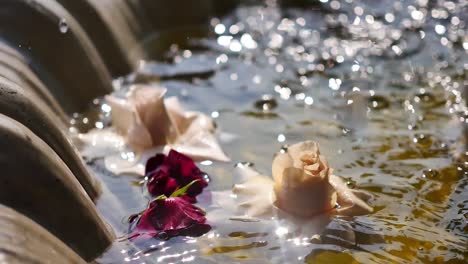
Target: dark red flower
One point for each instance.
(170, 217)
(168, 173)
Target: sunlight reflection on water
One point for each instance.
(378, 84)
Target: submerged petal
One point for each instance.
(349, 200)
(173, 217)
(202, 148)
(199, 141)
(254, 196)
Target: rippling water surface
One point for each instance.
(378, 84)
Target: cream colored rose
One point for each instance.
(146, 122)
(303, 185)
(301, 177)
(143, 118)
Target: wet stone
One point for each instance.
(24, 241)
(22, 189)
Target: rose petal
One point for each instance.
(181, 170)
(154, 162)
(301, 181)
(138, 136)
(295, 151)
(162, 183)
(146, 119)
(349, 201)
(151, 110)
(184, 170)
(189, 199)
(280, 162)
(180, 119)
(255, 196)
(199, 141)
(122, 113)
(173, 216)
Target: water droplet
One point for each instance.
(378, 102)
(346, 131)
(99, 125)
(267, 102)
(426, 99)
(281, 138)
(163, 236)
(430, 173)
(440, 29)
(207, 178)
(315, 239)
(63, 26)
(219, 29)
(334, 83)
(284, 148)
(309, 100)
(351, 184)
(244, 164)
(423, 140)
(214, 114)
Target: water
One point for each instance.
(378, 84)
(63, 26)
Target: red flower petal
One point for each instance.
(154, 162)
(171, 217)
(177, 166)
(162, 183)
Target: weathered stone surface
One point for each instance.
(24, 241)
(35, 182)
(14, 67)
(62, 54)
(27, 109)
(114, 29)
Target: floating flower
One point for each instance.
(168, 173)
(142, 118)
(170, 217)
(303, 185)
(301, 178)
(147, 120)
